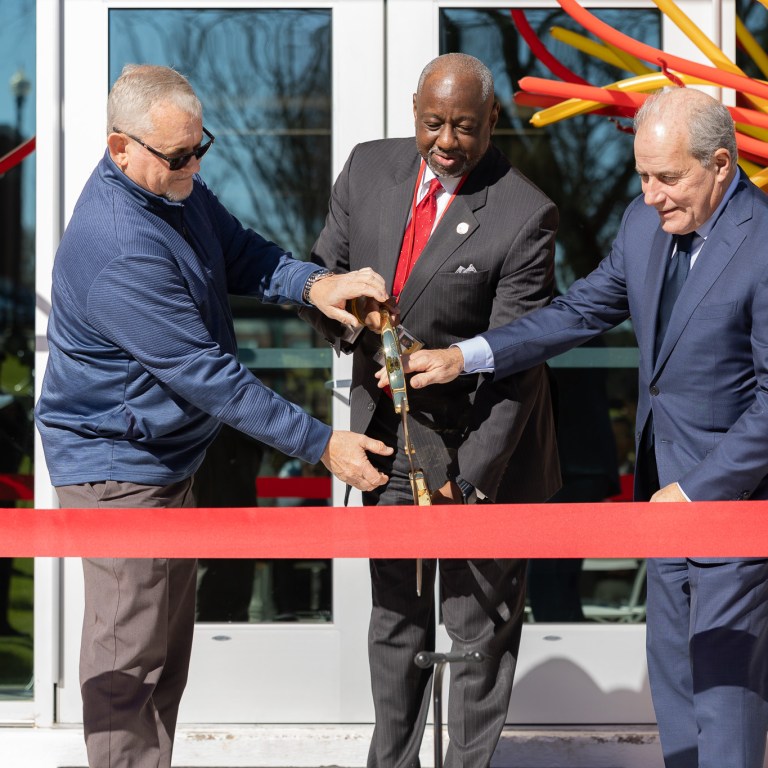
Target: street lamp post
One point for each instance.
(20, 88)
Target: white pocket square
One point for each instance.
(470, 268)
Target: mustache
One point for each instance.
(458, 155)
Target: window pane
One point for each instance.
(264, 78)
(586, 165)
(755, 19)
(17, 335)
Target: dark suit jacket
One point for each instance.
(507, 234)
(708, 390)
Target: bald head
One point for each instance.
(455, 112)
(459, 64)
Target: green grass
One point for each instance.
(16, 664)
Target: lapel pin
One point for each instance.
(462, 228)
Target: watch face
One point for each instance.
(467, 490)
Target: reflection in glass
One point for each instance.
(755, 19)
(17, 337)
(586, 165)
(264, 79)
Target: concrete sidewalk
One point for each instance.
(346, 746)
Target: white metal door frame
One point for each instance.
(313, 673)
(567, 673)
(71, 93)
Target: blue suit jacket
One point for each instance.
(707, 390)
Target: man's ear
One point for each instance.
(494, 117)
(723, 163)
(117, 143)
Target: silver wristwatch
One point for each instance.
(313, 278)
(468, 491)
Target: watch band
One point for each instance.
(311, 280)
(468, 491)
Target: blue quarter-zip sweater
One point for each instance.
(143, 362)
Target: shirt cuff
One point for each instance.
(478, 357)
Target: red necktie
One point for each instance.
(416, 235)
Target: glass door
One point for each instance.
(582, 655)
(287, 89)
(17, 308)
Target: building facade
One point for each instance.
(288, 88)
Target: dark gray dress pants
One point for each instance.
(482, 605)
(137, 636)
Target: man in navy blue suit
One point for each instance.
(702, 416)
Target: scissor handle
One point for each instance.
(393, 362)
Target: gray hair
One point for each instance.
(463, 64)
(708, 122)
(142, 86)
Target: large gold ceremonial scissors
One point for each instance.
(393, 362)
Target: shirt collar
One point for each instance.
(449, 183)
(112, 175)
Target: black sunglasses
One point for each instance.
(177, 162)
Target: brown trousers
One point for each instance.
(137, 636)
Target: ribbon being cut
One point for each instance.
(624, 529)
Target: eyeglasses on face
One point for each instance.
(177, 162)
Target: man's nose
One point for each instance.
(652, 192)
(447, 137)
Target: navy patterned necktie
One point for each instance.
(677, 270)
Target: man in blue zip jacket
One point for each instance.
(143, 372)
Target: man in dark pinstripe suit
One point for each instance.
(488, 259)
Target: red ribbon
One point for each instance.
(21, 487)
(13, 487)
(623, 529)
(15, 156)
